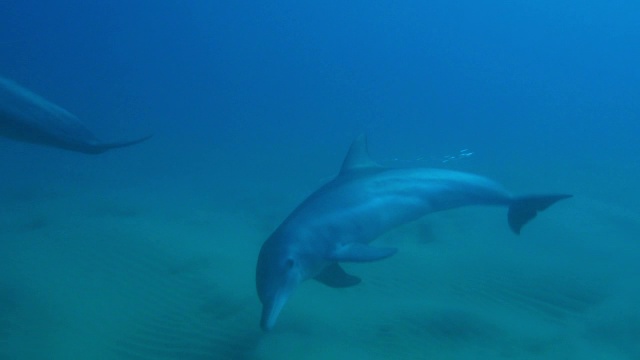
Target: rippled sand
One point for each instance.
(121, 277)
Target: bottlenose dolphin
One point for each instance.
(336, 223)
(27, 117)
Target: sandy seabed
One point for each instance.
(128, 277)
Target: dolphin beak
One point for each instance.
(271, 310)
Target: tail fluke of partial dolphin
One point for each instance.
(524, 209)
(100, 148)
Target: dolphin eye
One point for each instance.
(289, 263)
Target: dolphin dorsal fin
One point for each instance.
(358, 157)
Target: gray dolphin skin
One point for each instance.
(27, 117)
(337, 222)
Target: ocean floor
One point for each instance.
(124, 276)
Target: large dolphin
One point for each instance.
(27, 117)
(337, 222)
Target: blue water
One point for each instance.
(149, 252)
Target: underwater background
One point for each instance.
(149, 252)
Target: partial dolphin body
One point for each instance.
(336, 223)
(27, 117)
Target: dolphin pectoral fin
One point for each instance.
(356, 252)
(524, 209)
(334, 276)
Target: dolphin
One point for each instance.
(337, 222)
(27, 117)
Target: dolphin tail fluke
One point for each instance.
(100, 148)
(524, 209)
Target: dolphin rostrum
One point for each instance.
(337, 222)
(27, 117)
